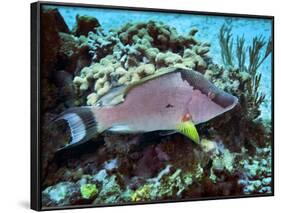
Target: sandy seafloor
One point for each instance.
(208, 27)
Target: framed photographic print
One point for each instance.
(137, 105)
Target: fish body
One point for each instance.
(174, 99)
(155, 105)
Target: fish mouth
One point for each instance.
(225, 100)
(218, 96)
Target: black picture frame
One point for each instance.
(36, 97)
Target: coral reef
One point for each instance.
(80, 66)
(84, 25)
(258, 173)
(206, 170)
(247, 78)
(63, 193)
(241, 78)
(61, 51)
(135, 51)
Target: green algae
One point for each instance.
(89, 190)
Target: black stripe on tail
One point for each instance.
(82, 124)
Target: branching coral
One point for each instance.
(226, 43)
(255, 97)
(241, 53)
(250, 95)
(100, 44)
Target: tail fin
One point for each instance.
(82, 124)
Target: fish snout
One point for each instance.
(225, 100)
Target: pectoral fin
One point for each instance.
(188, 129)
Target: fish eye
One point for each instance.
(169, 106)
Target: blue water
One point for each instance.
(208, 31)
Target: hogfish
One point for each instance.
(174, 100)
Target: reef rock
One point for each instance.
(62, 194)
(85, 24)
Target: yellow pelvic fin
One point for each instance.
(188, 129)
